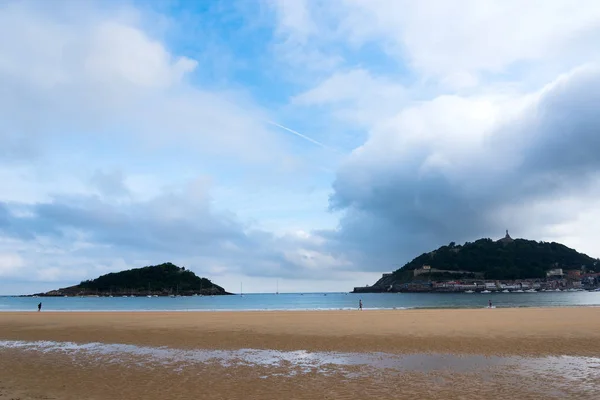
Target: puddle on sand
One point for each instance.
(580, 370)
(265, 358)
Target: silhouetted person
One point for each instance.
(490, 302)
(360, 304)
(39, 307)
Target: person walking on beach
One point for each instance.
(360, 304)
(39, 307)
(490, 303)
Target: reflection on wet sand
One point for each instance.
(115, 369)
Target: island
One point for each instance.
(157, 280)
(503, 265)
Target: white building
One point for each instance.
(554, 272)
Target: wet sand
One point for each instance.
(85, 374)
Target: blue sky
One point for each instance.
(133, 133)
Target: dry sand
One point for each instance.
(534, 332)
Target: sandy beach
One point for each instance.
(573, 331)
(525, 332)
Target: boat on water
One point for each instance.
(531, 291)
(469, 291)
(506, 291)
(518, 291)
(486, 292)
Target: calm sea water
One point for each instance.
(306, 301)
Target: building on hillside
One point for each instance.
(426, 269)
(555, 273)
(574, 274)
(506, 239)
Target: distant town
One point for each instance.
(485, 266)
(556, 280)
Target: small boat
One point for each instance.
(531, 291)
(518, 291)
(506, 291)
(486, 292)
(148, 296)
(469, 291)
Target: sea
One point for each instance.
(304, 301)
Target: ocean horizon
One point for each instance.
(303, 302)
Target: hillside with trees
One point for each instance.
(161, 280)
(506, 259)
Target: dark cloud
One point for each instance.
(395, 211)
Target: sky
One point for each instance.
(307, 144)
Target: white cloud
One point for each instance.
(10, 263)
(458, 43)
(446, 38)
(121, 54)
(65, 76)
(356, 96)
(294, 19)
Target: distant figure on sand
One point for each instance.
(360, 304)
(490, 304)
(39, 307)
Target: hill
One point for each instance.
(504, 259)
(161, 280)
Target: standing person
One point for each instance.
(39, 307)
(490, 304)
(360, 304)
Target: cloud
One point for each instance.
(119, 148)
(298, 28)
(355, 96)
(458, 44)
(455, 169)
(99, 74)
(10, 263)
(80, 236)
(110, 183)
(112, 148)
(479, 118)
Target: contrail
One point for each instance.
(303, 136)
